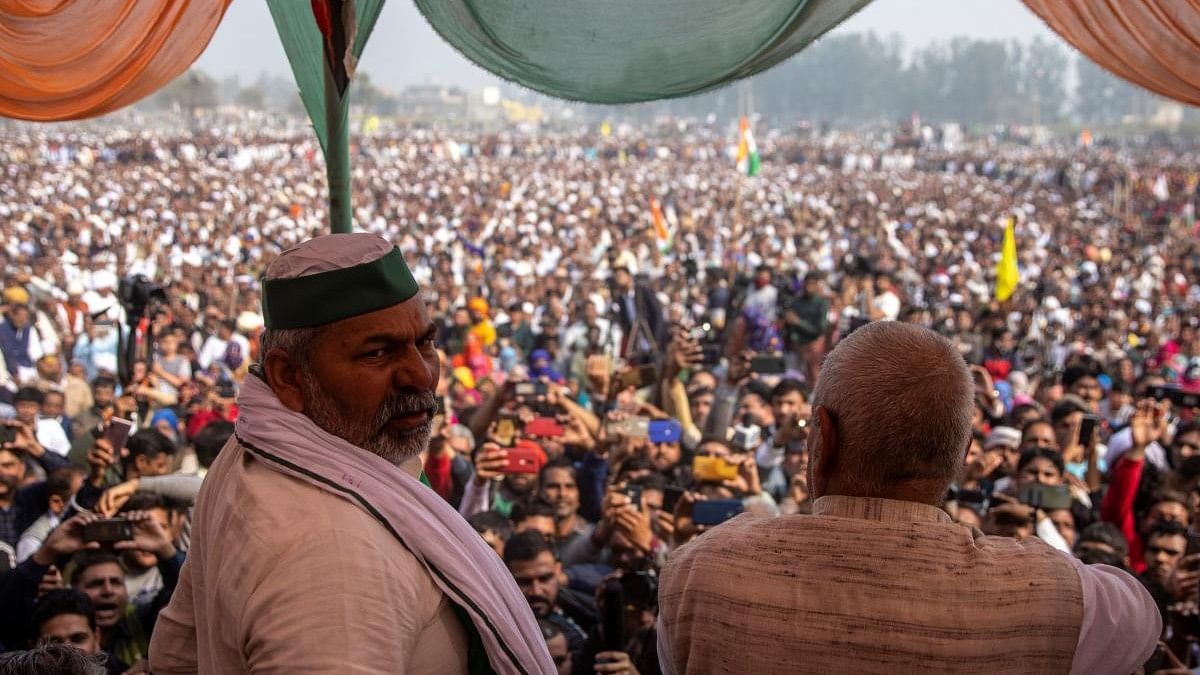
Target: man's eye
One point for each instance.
(375, 354)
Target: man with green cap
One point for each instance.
(315, 547)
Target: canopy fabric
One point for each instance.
(323, 40)
(625, 51)
(71, 59)
(1154, 44)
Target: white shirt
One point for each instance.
(763, 300)
(1120, 442)
(51, 436)
(889, 305)
(213, 349)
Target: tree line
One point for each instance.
(860, 78)
(840, 80)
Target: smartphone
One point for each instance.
(546, 427)
(1087, 428)
(768, 364)
(716, 511)
(1045, 497)
(7, 434)
(640, 377)
(664, 431)
(108, 530)
(671, 495)
(530, 389)
(612, 615)
(634, 493)
(713, 469)
(710, 354)
(524, 457)
(633, 427)
(506, 429)
(117, 432)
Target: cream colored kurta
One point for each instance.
(283, 577)
(881, 586)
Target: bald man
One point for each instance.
(879, 579)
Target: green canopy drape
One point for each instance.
(625, 51)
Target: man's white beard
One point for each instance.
(324, 411)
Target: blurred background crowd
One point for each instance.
(629, 332)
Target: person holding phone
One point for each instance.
(865, 574)
(21, 504)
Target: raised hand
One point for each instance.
(25, 439)
(65, 540)
(148, 536)
(489, 462)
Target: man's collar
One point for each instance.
(883, 510)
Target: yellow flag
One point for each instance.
(605, 129)
(1007, 275)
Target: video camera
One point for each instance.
(137, 293)
(138, 296)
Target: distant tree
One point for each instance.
(251, 97)
(190, 91)
(1044, 79)
(1101, 97)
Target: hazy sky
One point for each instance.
(405, 50)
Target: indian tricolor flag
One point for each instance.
(747, 154)
(661, 233)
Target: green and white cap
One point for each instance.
(334, 277)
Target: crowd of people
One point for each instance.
(610, 393)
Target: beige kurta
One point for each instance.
(283, 577)
(867, 586)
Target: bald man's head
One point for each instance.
(895, 403)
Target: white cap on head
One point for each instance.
(104, 279)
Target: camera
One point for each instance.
(136, 293)
(746, 435)
(640, 589)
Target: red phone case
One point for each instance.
(546, 427)
(525, 457)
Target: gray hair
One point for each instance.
(297, 342)
(903, 401)
(461, 431)
(52, 658)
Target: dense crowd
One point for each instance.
(610, 393)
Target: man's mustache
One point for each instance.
(405, 403)
(536, 599)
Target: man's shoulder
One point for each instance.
(281, 513)
(730, 540)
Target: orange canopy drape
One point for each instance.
(1154, 44)
(70, 59)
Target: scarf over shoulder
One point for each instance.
(460, 563)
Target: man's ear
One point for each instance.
(823, 462)
(284, 379)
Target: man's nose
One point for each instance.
(415, 372)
